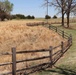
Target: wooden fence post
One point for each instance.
(56, 29)
(62, 47)
(63, 34)
(70, 39)
(49, 26)
(14, 61)
(50, 52)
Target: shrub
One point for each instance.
(20, 16)
(47, 17)
(54, 17)
(30, 17)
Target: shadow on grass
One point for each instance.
(63, 70)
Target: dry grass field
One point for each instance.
(18, 34)
(15, 33)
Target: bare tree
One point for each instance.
(60, 5)
(70, 8)
(65, 7)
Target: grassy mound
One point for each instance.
(26, 38)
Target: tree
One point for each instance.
(70, 8)
(5, 7)
(54, 17)
(65, 7)
(28, 17)
(47, 17)
(20, 16)
(4, 15)
(60, 5)
(32, 17)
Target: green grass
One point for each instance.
(67, 64)
(72, 25)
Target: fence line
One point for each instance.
(53, 56)
(60, 32)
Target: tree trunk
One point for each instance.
(68, 15)
(63, 20)
(62, 17)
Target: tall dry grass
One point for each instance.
(17, 34)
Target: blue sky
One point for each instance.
(31, 7)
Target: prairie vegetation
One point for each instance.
(15, 33)
(67, 64)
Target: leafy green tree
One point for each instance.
(47, 17)
(32, 17)
(5, 8)
(20, 16)
(28, 17)
(54, 17)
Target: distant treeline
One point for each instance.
(4, 16)
(21, 16)
(49, 17)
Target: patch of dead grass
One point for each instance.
(14, 34)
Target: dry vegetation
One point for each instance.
(17, 34)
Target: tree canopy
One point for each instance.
(5, 8)
(47, 17)
(21, 16)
